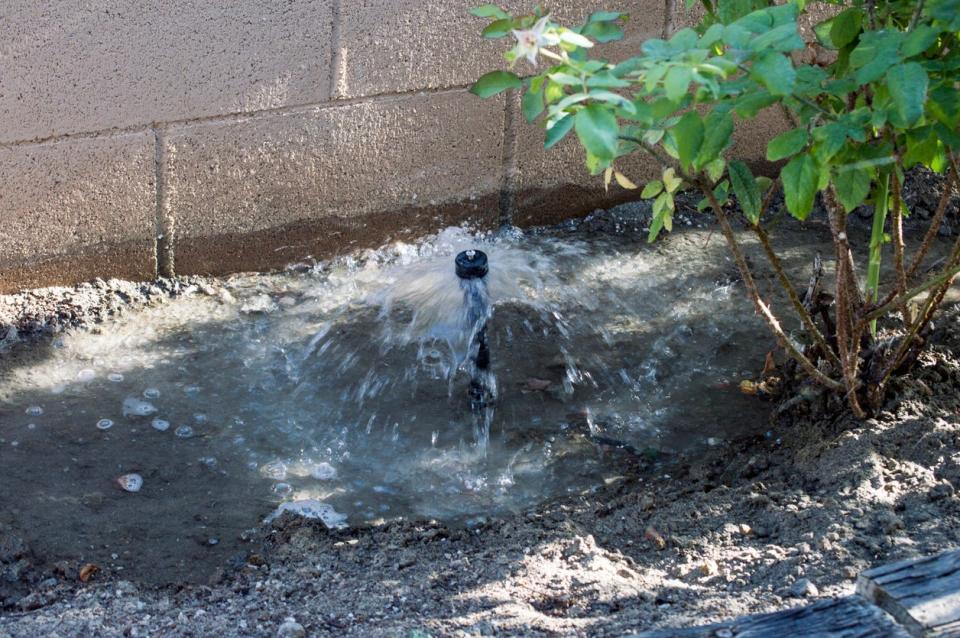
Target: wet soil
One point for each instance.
(791, 511)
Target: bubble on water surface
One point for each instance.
(34, 410)
(130, 482)
(200, 418)
(184, 431)
(133, 406)
(116, 377)
(313, 509)
(86, 375)
(276, 470)
(151, 393)
(31, 426)
(104, 424)
(324, 471)
(160, 425)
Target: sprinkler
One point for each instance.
(471, 268)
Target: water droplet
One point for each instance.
(130, 482)
(324, 471)
(151, 393)
(104, 424)
(34, 410)
(14, 443)
(31, 426)
(86, 375)
(116, 377)
(184, 431)
(209, 461)
(282, 489)
(192, 389)
(160, 425)
(200, 418)
(276, 470)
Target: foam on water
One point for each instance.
(346, 387)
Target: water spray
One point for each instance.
(471, 268)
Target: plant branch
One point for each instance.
(848, 337)
(762, 309)
(805, 317)
(915, 20)
(879, 312)
(952, 179)
(896, 225)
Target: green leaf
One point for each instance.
(605, 16)
(688, 134)
(718, 129)
(566, 79)
(490, 11)
(748, 193)
(498, 28)
(787, 144)
(749, 104)
(715, 169)
(919, 40)
(800, 177)
(671, 181)
(852, 187)
(908, 88)
(495, 82)
(677, 82)
(775, 72)
(603, 31)
(558, 131)
(876, 52)
(652, 189)
(597, 129)
(845, 27)
(782, 38)
(532, 104)
(606, 80)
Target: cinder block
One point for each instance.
(79, 66)
(267, 191)
(404, 45)
(77, 209)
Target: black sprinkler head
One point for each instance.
(471, 264)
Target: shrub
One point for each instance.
(879, 97)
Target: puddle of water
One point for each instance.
(345, 387)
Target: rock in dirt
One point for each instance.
(803, 588)
(291, 629)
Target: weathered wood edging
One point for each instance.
(919, 597)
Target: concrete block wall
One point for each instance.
(140, 139)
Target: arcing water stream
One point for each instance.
(349, 385)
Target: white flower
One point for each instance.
(529, 41)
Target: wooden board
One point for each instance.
(850, 617)
(923, 594)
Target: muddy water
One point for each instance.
(345, 385)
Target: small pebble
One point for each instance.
(803, 588)
(291, 629)
(130, 482)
